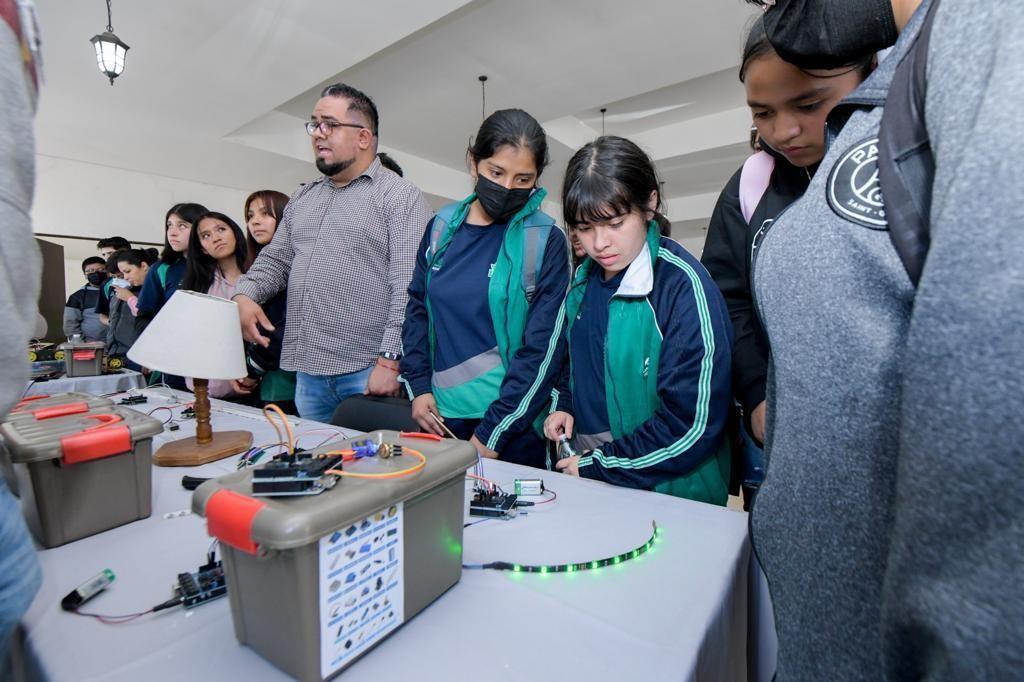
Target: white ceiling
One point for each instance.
(216, 92)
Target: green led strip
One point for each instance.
(572, 568)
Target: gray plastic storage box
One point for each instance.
(83, 358)
(34, 403)
(316, 581)
(83, 465)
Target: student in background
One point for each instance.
(132, 265)
(645, 389)
(107, 247)
(80, 316)
(789, 107)
(163, 278)
(263, 210)
(578, 252)
(390, 164)
(485, 304)
(216, 261)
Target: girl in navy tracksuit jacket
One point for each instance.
(646, 387)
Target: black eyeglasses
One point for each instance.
(327, 127)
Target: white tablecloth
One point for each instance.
(100, 384)
(678, 613)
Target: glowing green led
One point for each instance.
(570, 568)
(517, 568)
(618, 559)
(543, 569)
(593, 564)
(636, 553)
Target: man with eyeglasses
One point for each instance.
(345, 249)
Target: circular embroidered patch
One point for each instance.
(854, 191)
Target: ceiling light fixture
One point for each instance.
(483, 96)
(604, 110)
(110, 50)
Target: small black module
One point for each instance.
(492, 504)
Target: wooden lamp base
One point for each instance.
(206, 445)
(187, 452)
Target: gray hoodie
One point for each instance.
(19, 291)
(886, 526)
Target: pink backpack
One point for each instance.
(754, 178)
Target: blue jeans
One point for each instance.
(19, 571)
(318, 396)
(753, 461)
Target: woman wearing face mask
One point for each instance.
(645, 391)
(164, 277)
(216, 261)
(484, 314)
(263, 210)
(789, 107)
(132, 266)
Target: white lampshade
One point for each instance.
(194, 335)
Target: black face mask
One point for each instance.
(829, 34)
(499, 202)
(96, 278)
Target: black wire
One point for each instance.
(29, 387)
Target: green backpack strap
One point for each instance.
(443, 219)
(107, 286)
(537, 230)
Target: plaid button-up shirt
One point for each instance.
(346, 255)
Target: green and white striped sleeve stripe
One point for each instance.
(505, 423)
(703, 386)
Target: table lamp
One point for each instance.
(198, 336)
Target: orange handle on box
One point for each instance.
(27, 402)
(229, 518)
(61, 410)
(89, 445)
(97, 442)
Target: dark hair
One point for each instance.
(357, 101)
(116, 243)
(112, 268)
(512, 127)
(757, 45)
(92, 260)
(188, 213)
(274, 202)
(200, 268)
(135, 257)
(390, 164)
(607, 178)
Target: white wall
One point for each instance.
(76, 198)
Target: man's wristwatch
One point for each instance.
(393, 357)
